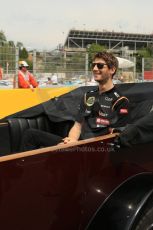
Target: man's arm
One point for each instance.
(74, 133)
(33, 81)
(121, 108)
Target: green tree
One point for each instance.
(23, 54)
(7, 56)
(19, 45)
(144, 53)
(11, 43)
(150, 50)
(2, 38)
(93, 49)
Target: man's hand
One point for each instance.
(31, 87)
(73, 135)
(67, 140)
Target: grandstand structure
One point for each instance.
(82, 39)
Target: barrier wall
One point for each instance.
(14, 100)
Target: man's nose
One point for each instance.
(95, 67)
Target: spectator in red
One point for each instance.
(25, 78)
(1, 72)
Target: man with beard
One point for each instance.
(100, 111)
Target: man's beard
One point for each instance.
(104, 80)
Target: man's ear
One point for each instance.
(113, 70)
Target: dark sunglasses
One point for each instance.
(99, 65)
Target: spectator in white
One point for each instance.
(54, 79)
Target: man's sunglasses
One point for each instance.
(99, 65)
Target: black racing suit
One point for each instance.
(101, 112)
(98, 113)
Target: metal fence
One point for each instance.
(70, 67)
(9, 57)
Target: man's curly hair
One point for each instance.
(109, 58)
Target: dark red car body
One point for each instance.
(52, 189)
(89, 185)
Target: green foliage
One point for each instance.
(11, 43)
(138, 63)
(7, 57)
(2, 37)
(8, 52)
(150, 50)
(19, 45)
(23, 53)
(93, 49)
(146, 53)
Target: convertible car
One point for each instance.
(98, 183)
